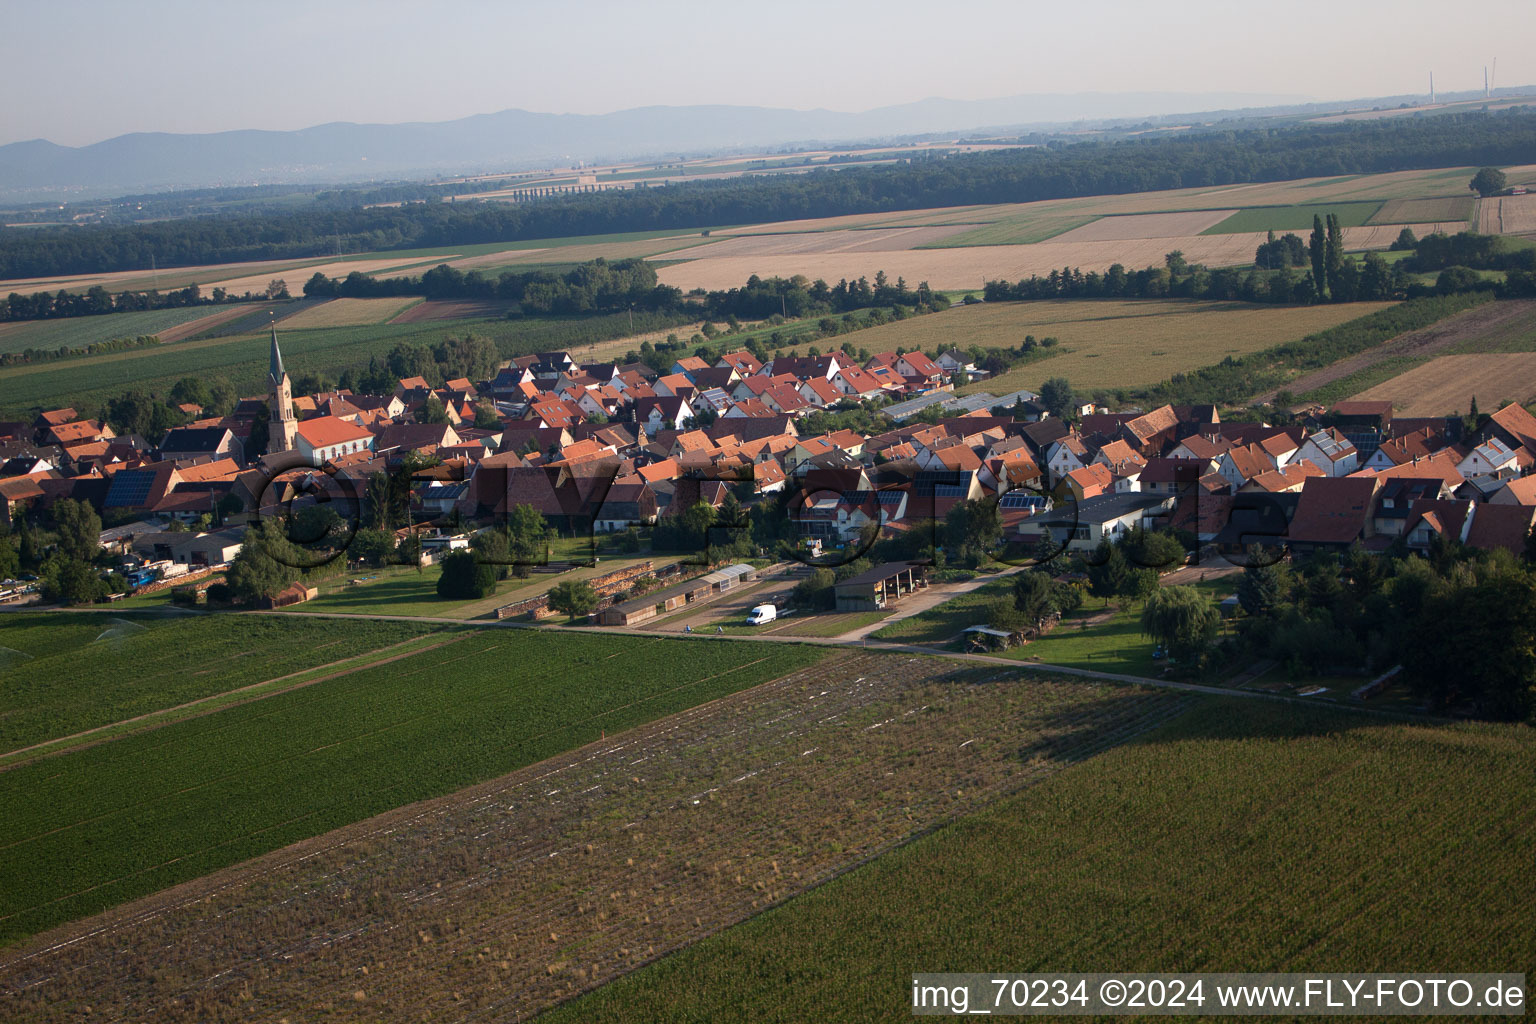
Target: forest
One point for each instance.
(1055, 171)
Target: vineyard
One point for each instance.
(1243, 836)
(108, 823)
(61, 674)
(498, 901)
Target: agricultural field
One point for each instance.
(1257, 827)
(1128, 226)
(835, 254)
(1507, 215)
(80, 331)
(1293, 218)
(63, 673)
(503, 899)
(1503, 326)
(242, 359)
(351, 312)
(1112, 342)
(999, 227)
(1447, 384)
(1418, 211)
(100, 825)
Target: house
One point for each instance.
(1491, 458)
(185, 444)
(327, 437)
(820, 392)
(1330, 451)
(1515, 427)
(1083, 525)
(629, 502)
(742, 361)
(1500, 526)
(1517, 492)
(952, 361)
(1239, 465)
(661, 413)
(1064, 455)
(1090, 481)
(1332, 514)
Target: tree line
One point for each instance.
(595, 286)
(1204, 159)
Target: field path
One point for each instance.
(1420, 344)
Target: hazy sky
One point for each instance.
(78, 71)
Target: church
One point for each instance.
(282, 429)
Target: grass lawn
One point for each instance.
(1242, 836)
(395, 590)
(944, 622)
(1116, 645)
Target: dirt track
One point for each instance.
(1428, 341)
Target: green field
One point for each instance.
(1293, 218)
(87, 383)
(69, 675)
(1244, 836)
(1018, 229)
(80, 331)
(89, 829)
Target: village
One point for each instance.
(611, 451)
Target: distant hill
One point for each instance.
(514, 139)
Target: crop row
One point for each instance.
(1243, 835)
(109, 823)
(70, 675)
(515, 894)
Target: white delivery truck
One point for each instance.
(763, 613)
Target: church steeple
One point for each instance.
(282, 427)
(275, 371)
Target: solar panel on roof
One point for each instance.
(130, 487)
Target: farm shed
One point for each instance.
(873, 589)
(668, 599)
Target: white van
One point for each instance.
(763, 613)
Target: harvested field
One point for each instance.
(335, 268)
(1447, 384)
(1146, 225)
(1487, 324)
(352, 312)
(1457, 209)
(957, 268)
(837, 254)
(629, 249)
(503, 899)
(1110, 342)
(1380, 236)
(1507, 215)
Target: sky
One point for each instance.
(79, 71)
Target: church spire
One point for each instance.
(275, 371)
